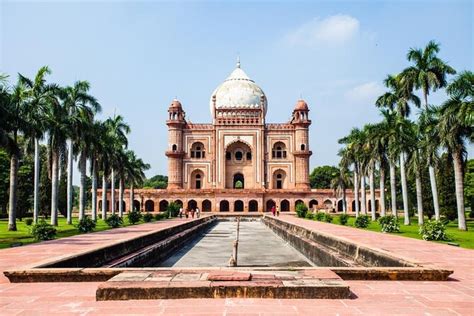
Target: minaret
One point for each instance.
(176, 121)
(301, 152)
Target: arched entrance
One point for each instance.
(192, 204)
(298, 202)
(279, 178)
(179, 203)
(328, 205)
(239, 181)
(136, 205)
(340, 206)
(284, 206)
(238, 206)
(270, 204)
(149, 206)
(313, 204)
(253, 206)
(163, 205)
(206, 206)
(197, 179)
(224, 206)
(353, 206)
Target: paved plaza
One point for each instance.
(454, 297)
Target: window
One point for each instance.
(249, 156)
(303, 147)
(197, 151)
(279, 151)
(238, 155)
(174, 147)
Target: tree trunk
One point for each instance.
(434, 192)
(403, 178)
(69, 182)
(36, 182)
(382, 192)
(121, 197)
(419, 197)
(458, 180)
(363, 199)
(13, 192)
(344, 201)
(356, 191)
(112, 191)
(82, 186)
(393, 189)
(94, 190)
(104, 196)
(131, 197)
(372, 192)
(54, 188)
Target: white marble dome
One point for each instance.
(238, 91)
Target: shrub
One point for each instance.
(328, 218)
(134, 217)
(433, 230)
(43, 231)
(319, 216)
(148, 217)
(301, 210)
(309, 215)
(389, 224)
(449, 212)
(28, 221)
(114, 221)
(343, 219)
(86, 225)
(362, 221)
(161, 216)
(173, 207)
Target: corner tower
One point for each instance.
(176, 122)
(301, 152)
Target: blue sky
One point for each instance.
(139, 55)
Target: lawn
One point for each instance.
(465, 239)
(22, 235)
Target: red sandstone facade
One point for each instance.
(238, 163)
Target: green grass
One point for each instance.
(465, 239)
(23, 231)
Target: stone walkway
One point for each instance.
(455, 297)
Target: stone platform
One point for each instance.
(180, 284)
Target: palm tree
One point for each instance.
(135, 173)
(81, 108)
(428, 72)
(117, 130)
(39, 94)
(351, 156)
(96, 148)
(455, 128)
(416, 163)
(340, 183)
(57, 122)
(428, 125)
(398, 98)
(377, 137)
(14, 123)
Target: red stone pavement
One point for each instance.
(454, 297)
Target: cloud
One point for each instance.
(366, 92)
(335, 29)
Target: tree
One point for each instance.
(469, 182)
(135, 173)
(320, 177)
(340, 183)
(156, 182)
(428, 71)
(81, 108)
(416, 163)
(398, 99)
(455, 128)
(39, 94)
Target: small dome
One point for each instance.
(175, 104)
(238, 91)
(301, 105)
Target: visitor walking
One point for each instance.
(278, 210)
(192, 212)
(187, 213)
(180, 212)
(273, 210)
(198, 212)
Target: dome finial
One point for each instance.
(238, 61)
